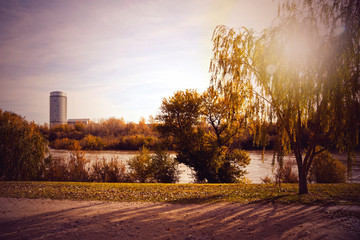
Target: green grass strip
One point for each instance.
(320, 194)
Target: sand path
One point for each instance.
(65, 219)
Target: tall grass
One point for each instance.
(144, 167)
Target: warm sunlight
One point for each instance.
(271, 69)
(192, 119)
(298, 47)
(118, 58)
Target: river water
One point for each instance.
(257, 169)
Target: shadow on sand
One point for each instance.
(63, 219)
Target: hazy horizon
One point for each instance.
(112, 58)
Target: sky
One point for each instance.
(113, 58)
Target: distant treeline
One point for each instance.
(116, 134)
(107, 134)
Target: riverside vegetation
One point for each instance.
(24, 155)
(310, 98)
(145, 167)
(116, 134)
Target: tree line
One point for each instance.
(116, 134)
(107, 134)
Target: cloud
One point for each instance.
(114, 58)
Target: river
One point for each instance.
(257, 169)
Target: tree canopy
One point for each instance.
(302, 73)
(202, 128)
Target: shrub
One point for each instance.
(22, 148)
(77, 171)
(289, 175)
(140, 166)
(231, 168)
(326, 169)
(112, 171)
(91, 142)
(63, 143)
(266, 179)
(158, 167)
(164, 168)
(285, 173)
(56, 170)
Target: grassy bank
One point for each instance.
(321, 194)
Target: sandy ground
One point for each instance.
(65, 219)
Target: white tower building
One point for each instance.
(58, 108)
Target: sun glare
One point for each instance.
(298, 47)
(271, 69)
(339, 30)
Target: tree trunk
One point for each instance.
(303, 187)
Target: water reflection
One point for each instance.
(256, 169)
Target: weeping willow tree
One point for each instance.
(303, 73)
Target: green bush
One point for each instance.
(232, 164)
(164, 168)
(326, 169)
(140, 166)
(158, 167)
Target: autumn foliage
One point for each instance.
(22, 148)
(202, 129)
(107, 134)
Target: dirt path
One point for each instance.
(65, 219)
